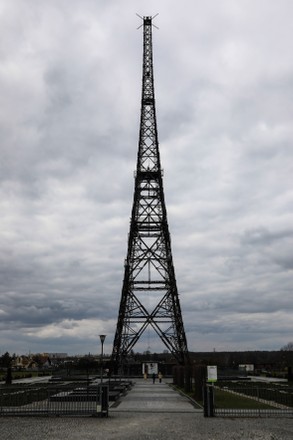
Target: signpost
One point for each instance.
(212, 377)
(149, 368)
(212, 373)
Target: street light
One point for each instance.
(102, 404)
(102, 338)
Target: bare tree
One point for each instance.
(288, 347)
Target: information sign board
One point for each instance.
(212, 373)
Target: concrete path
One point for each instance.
(32, 380)
(158, 397)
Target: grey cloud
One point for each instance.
(70, 85)
(263, 236)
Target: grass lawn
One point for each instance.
(225, 399)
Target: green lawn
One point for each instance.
(225, 399)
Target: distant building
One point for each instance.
(248, 368)
(56, 355)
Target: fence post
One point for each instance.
(187, 378)
(199, 376)
(258, 402)
(175, 375)
(208, 400)
(104, 399)
(48, 399)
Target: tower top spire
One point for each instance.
(148, 20)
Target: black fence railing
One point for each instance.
(75, 398)
(53, 399)
(248, 400)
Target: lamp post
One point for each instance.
(102, 398)
(102, 338)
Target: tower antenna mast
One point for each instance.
(149, 297)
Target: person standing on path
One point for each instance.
(154, 377)
(160, 376)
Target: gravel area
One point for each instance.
(139, 426)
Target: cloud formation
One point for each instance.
(70, 84)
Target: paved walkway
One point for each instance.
(32, 380)
(158, 397)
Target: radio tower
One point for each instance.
(149, 293)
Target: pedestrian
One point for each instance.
(160, 376)
(154, 377)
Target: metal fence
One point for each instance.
(45, 399)
(248, 401)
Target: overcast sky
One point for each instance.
(70, 89)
